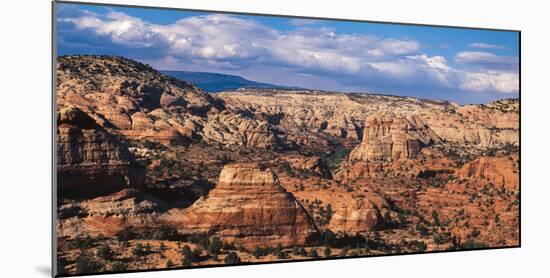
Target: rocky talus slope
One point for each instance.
(248, 207)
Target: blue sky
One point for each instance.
(464, 65)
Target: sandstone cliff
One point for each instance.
(390, 137)
(358, 216)
(89, 159)
(501, 171)
(248, 207)
(107, 215)
(312, 116)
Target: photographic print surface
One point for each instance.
(195, 139)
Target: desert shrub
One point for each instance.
(61, 265)
(262, 251)
(197, 254)
(104, 251)
(224, 158)
(231, 246)
(277, 249)
(86, 264)
(327, 252)
(126, 234)
(82, 243)
(166, 233)
(118, 266)
(442, 238)
(215, 246)
(192, 255)
(471, 244)
(186, 262)
(313, 253)
(169, 263)
(347, 241)
(200, 239)
(474, 233)
(328, 238)
(388, 220)
(435, 217)
(186, 251)
(232, 258)
(148, 248)
(281, 254)
(344, 251)
(139, 250)
(420, 246)
(333, 159)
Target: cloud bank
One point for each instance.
(314, 55)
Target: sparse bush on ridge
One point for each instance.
(118, 266)
(104, 251)
(232, 258)
(327, 252)
(86, 264)
(313, 253)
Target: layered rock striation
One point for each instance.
(500, 171)
(358, 215)
(90, 161)
(134, 100)
(312, 116)
(235, 130)
(248, 207)
(108, 215)
(390, 137)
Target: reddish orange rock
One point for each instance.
(390, 137)
(248, 207)
(502, 171)
(91, 161)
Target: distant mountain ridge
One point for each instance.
(217, 82)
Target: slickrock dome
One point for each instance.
(248, 207)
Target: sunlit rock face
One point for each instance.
(248, 207)
(90, 161)
(390, 137)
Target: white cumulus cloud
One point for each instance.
(223, 42)
(486, 45)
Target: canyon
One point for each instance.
(163, 174)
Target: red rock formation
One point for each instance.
(134, 100)
(311, 164)
(248, 207)
(501, 171)
(392, 137)
(236, 130)
(89, 159)
(107, 215)
(358, 215)
(127, 97)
